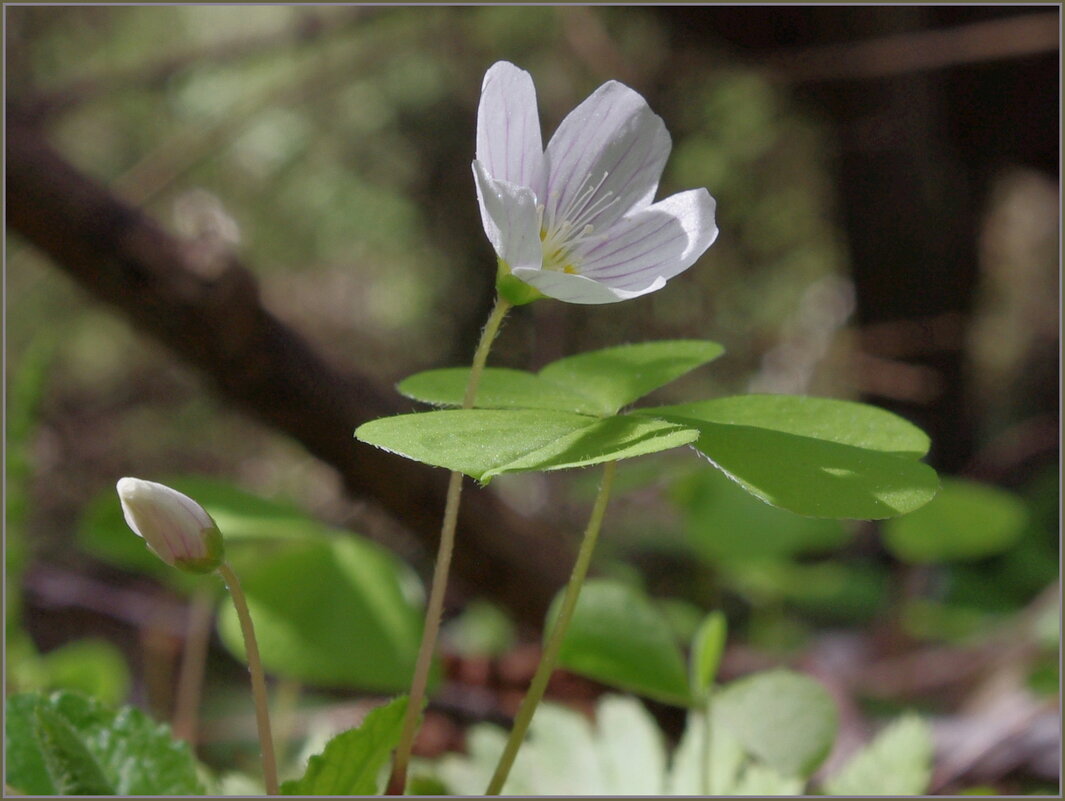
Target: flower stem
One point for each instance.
(558, 633)
(435, 605)
(258, 680)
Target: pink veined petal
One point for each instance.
(577, 288)
(612, 143)
(510, 220)
(508, 128)
(654, 244)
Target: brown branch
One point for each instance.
(898, 54)
(212, 318)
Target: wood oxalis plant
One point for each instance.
(577, 222)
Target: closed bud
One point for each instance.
(175, 528)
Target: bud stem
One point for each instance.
(557, 635)
(435, 605)
(258, 680)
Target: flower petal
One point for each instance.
(510, 220)
(508, 127)
(577, 288)
(611, 146)
(652, 245)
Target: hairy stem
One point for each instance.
(435, 605)
(258, 679)
(558, 633)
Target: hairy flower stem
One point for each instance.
(435, 605)
(258, 680)
(558, 633)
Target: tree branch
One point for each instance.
(210, 316)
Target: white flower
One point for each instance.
(176, 528)
(577, 222)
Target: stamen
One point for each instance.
(572, 225)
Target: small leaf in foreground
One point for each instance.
(618, 637)
(352, 760)
(71, 767)
(66, 743)
(897, 762)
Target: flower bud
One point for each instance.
(175, 528)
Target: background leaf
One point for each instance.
(708, 645)
(897, 762)
(483, 443)
(134, 755)
(92, 666)
(343, 612)
(813, 456)
(618, 637)
(965, 521)
(728, 525)
(785, 719)
(352, 760)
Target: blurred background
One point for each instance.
(181, 179)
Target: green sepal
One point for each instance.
(513, 290)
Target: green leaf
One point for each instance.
(596, 383)
(844, 422)
(720, 767)
(965, 521)
(92, 666)
(483, 443)
(67, 759)
(897, 762)
(342, 612)
(499, 388)
(848, 591)
(813, 456)
(617, 376)
(352, 760)
(68, 743)
(783, 718)
(618, 637)
(708, 645)
(482, 629)
(564, 754)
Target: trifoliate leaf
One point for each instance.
(483, 443)
(597, 383)
(785, 719)
(813, 456)
(897, 762)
